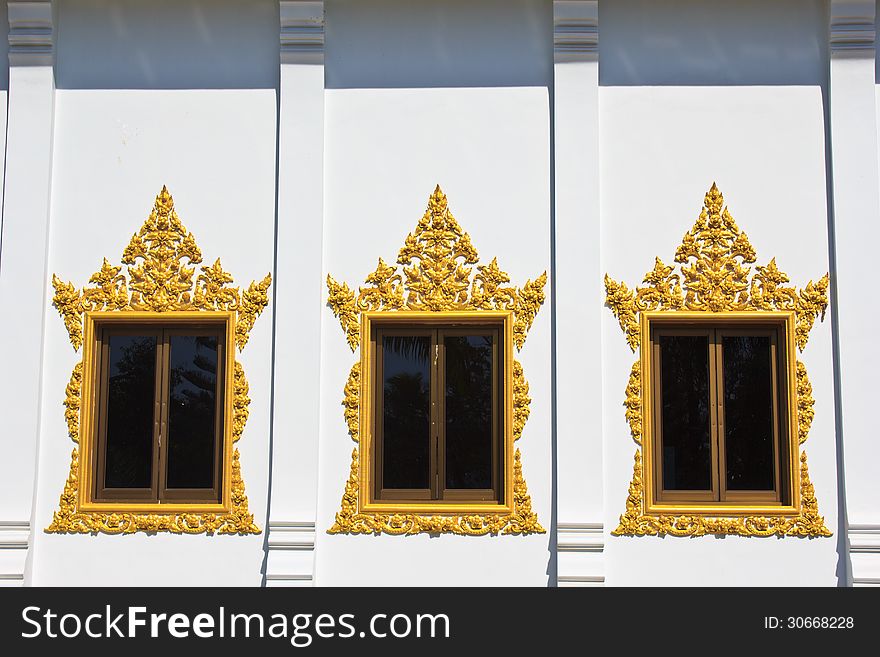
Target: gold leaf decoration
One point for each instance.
(715, 278)
(438, 272)
(160, 259)
(435, 261)
(240, 401)
(350, 521)
(67, 301)
(633, 402)
(350, 401)
(806, 524)
(805, 403)
(253, 301)
(341, 301)
(521, 400)
(72, 397)
(67, 520)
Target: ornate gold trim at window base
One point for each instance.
(350, 521)
(714, 279)
(159, 281)
(807, 523)
(436, 278)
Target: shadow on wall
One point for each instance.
(713, 42)
(4, 48)
(438, 43)
(167, 44)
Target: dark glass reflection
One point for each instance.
(468, 411)
(748, 412)
(130, 404)
(192, 407)
(687, 446)
(406, 405)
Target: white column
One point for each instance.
(856, 230)
(299, 296)
(23, 283)
(578, 294)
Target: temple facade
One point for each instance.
(448, 292)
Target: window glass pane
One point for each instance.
(130, 404)
(468, 411)
(748, 412)
(192, 407)
(687, 448)
(406, 404)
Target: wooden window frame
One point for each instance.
(784, 498)
(436, 499)
(159, 498)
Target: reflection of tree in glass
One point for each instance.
(409, 347)
(748, 408)
(130, 397)
(406, 431)
(191, 414)
(468, 411)
(406, 411)
(687, 451)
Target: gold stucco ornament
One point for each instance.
(161, 261)
(437, 271)
(714, 278)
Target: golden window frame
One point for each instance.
(367, 394)
(437, 283)
(715, 284)
(159, 288)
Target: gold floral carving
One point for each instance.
(436, 274)
(714, 277)
(521, 400)
(522, 521)
(807, 523)
(70, 521)
(633, 402)
(352, 392)
(713, 255)
(805, 403)
(436, 277)
(72, 396)
(160, 259)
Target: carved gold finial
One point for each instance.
(160, 259)
(715, 278)
(436, 260)
(434, 272)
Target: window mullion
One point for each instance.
(718, 440)
(162, 386)
(437, 425)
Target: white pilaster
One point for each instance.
(14, 540)
(299, 295)
(856, 193)
(580, 548)
(291, 554)
(23, 283)
(864, 552)
(578, 295)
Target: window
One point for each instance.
(438, 423)
(720, 415)
(159, 412)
